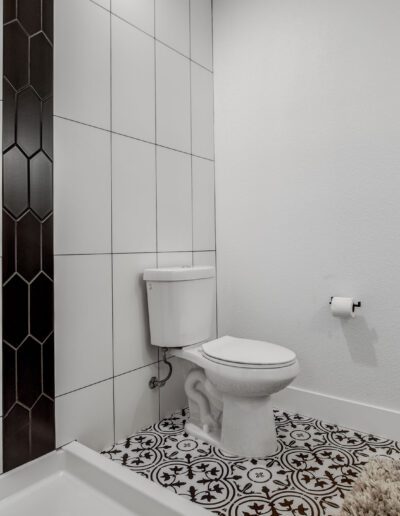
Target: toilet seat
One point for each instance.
(245, 353)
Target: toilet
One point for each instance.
(231, 381)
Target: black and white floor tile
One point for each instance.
(314, 466)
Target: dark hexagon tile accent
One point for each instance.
(48, 18)
(41, 185)
(9, 232)
(48, 366)
(41, 57)
(15, 181)
(9, 107)
(29, 371)
(43, 435)
(9, 393)
(29, 14)
(15, 311)
(9, 10)
(16, 432)
(47, 247)
(41, 303)
(28, 237)
(16, 63)
(28, 121)
(47, 127)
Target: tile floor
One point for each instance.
(315, 465)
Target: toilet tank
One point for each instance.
(181, 303)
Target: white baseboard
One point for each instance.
(351, 414)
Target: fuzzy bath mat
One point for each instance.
(376, 492)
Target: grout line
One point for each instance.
(105, 380)
(111, 234)
(191, 128)
(215, 176)
(132, 137)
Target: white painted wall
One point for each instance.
(307, 108)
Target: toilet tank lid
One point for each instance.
(178, 273)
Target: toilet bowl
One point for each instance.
(230, 385)
(230, 390)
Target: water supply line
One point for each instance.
(154, 381)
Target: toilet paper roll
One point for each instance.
(342, 307)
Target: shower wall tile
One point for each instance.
(132, 347)
(201, 32)
(174, 201)
(173, 99)
(182, 259)
(203, 205)
(128, 195)
(86, 415)
(133, 85)
(82, 62)
(137, 12)
(202, 112)
(83, 322)
(134, 195)
(172, 24)
(82, 159)
(136, 406)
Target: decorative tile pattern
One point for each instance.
(314, 466)
(28, 347)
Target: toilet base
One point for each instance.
(247, 428)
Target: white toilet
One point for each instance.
(229, 388)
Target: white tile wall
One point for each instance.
(201, 32)
(82, 222)
(86, 415)
(1, 447)
(134, 195)
(133, 108)
(136, 406)
(172, 395)
(83, 321)
(174, 200)
(202, 112)
(137, 12)
(82, 62)
(173, 99)
(123, 201)
(203, 204)
(172, 24)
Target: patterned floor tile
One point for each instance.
(314, 466)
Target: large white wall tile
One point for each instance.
(136, 405)
(204, 258)
(82, 62)
(138, 12)
(172, 395)
(82, 189)
(132, 348)
(83, 353)
(134, 195)
(133, 95)
(173, 99)
(86, 416)
(203, 205)
(172, 24)
(174, 201)
(174, 259)
(202, 112)
(201, 32)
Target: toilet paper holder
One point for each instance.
(355, 305)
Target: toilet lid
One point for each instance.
(249, 352)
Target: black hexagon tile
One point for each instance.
(28, 344)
